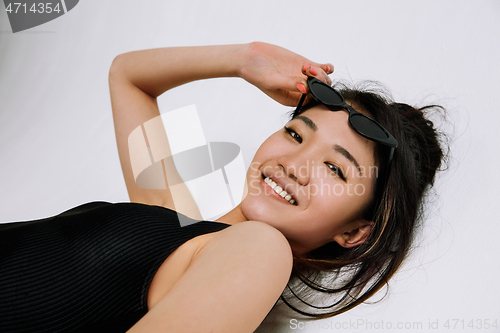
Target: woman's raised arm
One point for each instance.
(137, 78)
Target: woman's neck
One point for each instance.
(233, 217)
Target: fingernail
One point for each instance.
(327, 68)
(302, 88)
(313, 71)
(304, 68)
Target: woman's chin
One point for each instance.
(257, 210)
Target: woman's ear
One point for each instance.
(359, 232)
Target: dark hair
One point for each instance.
(353, 275)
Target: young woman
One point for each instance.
(333, 191)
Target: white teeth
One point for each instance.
(284, 194)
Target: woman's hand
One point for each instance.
(280, 73)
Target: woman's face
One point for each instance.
(327, 171)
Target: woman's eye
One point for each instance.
(294, 135)
(336, 170)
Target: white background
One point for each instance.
(57, 145)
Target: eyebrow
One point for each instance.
(336, 147)
(347, 155)
(308, 122)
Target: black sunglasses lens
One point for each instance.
(325, 94)
(367, 127)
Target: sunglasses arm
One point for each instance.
(299, 106)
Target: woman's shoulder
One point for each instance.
(257, 233)
(256, 241)
(250, 245)
(250, 259)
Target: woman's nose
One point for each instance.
(297, 167)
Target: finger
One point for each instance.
(300, 84)
(278, 81)
(302, 88)
(322, 75)
(318, 73)
(326, 78)
(314, 71)
(328, 68)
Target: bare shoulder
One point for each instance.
(258, 238)
(254, 242)
(232, 282)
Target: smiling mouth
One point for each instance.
(280, 191)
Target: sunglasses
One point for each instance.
(361, 123)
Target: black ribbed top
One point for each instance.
(88, 269)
